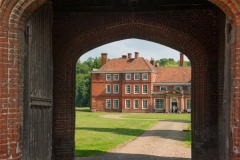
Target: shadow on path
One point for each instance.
(123, 156)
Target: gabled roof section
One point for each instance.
(139, 64)
(127, 64)
(173, 75)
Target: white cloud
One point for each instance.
(146, 49)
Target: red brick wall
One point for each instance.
(98, 92)
(99, 95)
(70, 41)
(13, 15)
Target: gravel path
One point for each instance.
(161, 142)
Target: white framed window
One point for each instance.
(188, 104)
(136, 89)
(116, 88)
(144, 89)
(159, 103)
(127, 103)
(108, 103)
(108, 88)
(128, 89)
(136, 76)
(108, 77)
(144, 104)
(116, 77)
(144, 76)
(115, 103)
(136, 104)
(163, 88)
(178, 88)
(128, 76)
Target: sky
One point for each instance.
(145, 49)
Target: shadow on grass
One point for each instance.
(167, 134)
(119, 131)
(80, 153)
(182, 121)
(124, 156)
(82, 109)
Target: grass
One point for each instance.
(159, 116)
(188, 137)
(95, 135)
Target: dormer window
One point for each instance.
(108, 77)
(128, 76)
(116, 77)
(178, 88)
(144, 76)
(163, 88)
(136, 76)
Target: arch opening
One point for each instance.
(130, 101)
(190, 41)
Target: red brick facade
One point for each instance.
(208, 33)
(156, 89)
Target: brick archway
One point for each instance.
(13, 17)
(157, 28)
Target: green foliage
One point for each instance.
(93, 62)
(170, 62)
(82, 68)
(96, 63)
(83, 80)
(187, 63)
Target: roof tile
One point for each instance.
(128, 64)
(173, 74)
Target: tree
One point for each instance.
(82, 68)
(96, 63)
(171, 62)
(83, 80)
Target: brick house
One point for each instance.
(129, 84)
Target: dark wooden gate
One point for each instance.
(38, 86)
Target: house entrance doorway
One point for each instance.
(173, 103)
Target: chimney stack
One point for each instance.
(104, 58)
(124, 56)
(152, 61)
(129, 55)
(181, 60)
(136, 55)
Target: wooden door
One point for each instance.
(38, 86)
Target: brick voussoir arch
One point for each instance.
(65, 64)
(230, 8)
(146, 29)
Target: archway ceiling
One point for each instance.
(126, 5)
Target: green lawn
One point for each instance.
(95, 135)
(188, 137)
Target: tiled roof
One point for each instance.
(173, 74)
(127, 64)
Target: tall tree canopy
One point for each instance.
(83, 80)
